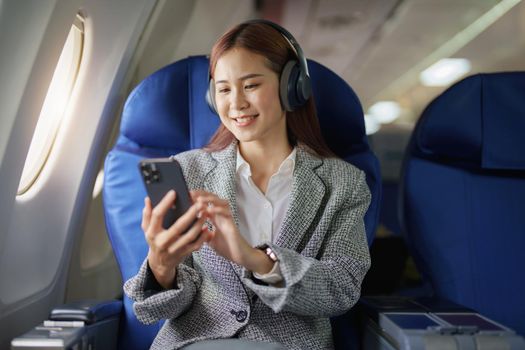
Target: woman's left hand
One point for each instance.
(226, 239)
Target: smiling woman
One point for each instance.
(279, 55)
(264, 183)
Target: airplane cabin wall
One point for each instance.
(31, 37)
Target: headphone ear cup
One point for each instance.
(210, 97)
(304, 87)
(295, 87)
(287, 85)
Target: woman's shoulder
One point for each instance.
(332, 170)
(330, 167)
(344, 180)
(203, 157)
(339, 174)
(192, 156)
(195, 165)
(339, 169)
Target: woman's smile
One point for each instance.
(245, 120)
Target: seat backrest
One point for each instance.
(463, 195)
(167, 114)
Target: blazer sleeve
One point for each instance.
(330, 285)
(152, 305)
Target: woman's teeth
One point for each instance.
(242, 120)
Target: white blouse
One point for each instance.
(261, 215)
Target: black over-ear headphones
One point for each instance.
(294, 88)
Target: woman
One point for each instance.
(279, 245)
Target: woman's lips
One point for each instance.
(245, 120)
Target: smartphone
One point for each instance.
(160, 175)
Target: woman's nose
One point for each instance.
(238, 101)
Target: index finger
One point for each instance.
(197, 193)
(200, 194)
(146, 214)
(161, 209)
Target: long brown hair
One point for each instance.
(302, 124)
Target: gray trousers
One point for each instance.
(233, 344)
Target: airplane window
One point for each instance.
(54, 105)
(97, 189)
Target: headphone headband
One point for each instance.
(288, 36)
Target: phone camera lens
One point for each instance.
(146, 172)
(150, 173)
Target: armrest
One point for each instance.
(88, 311)
(409, 323)
(86, 324)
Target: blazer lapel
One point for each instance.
(221, 179)
(305, 199)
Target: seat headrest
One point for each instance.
(478, 122)
(167, 110)
(339, 111)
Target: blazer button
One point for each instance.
(241, 316)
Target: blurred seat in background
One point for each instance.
(392, 270)
(463, 196)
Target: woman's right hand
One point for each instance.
(169, 247)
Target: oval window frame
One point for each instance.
(54, 106)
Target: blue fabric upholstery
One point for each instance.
(475, 123)
(463, 195)
(167, 114)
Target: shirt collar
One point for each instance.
(286, 167)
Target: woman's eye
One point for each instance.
(251, 86)
(223, 90)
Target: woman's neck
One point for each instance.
(265, 159)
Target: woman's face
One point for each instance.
(247, 97)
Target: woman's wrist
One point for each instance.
(255, 260)
(165, 275)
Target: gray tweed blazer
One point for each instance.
(323, 257)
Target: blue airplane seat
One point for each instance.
(463, 196)
(167, 114)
